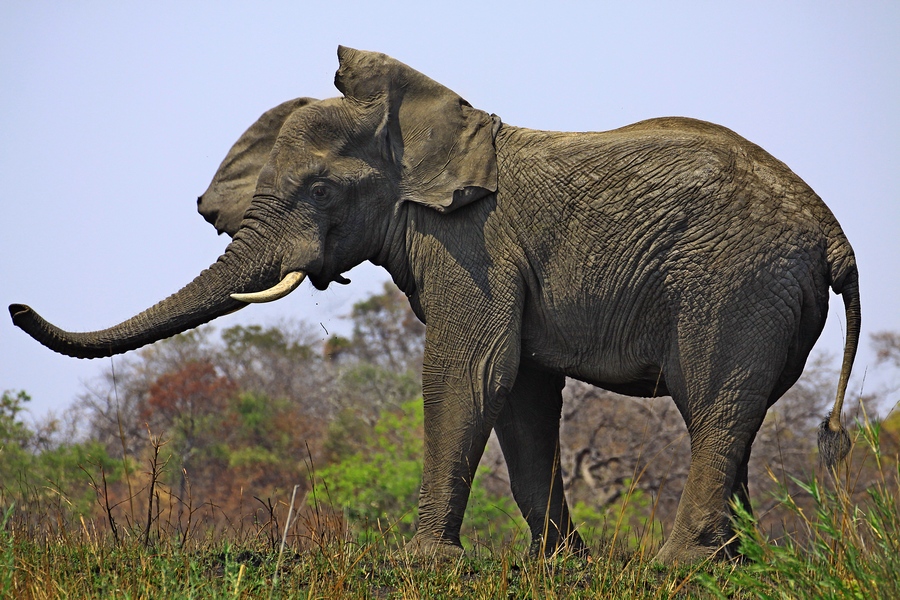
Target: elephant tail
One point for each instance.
(833, 440)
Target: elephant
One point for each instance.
(670, 257)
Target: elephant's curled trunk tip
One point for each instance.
(17, 309)
(834, 442)
(22, 315)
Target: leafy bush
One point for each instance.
(375, 478)
(849, 546)
(51, 474)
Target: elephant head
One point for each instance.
(312, 189)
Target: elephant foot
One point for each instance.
(421, 547)
(673, 553)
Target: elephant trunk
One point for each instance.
(239, 270)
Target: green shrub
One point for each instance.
(375, 477)
(60, 474)
(848, 545)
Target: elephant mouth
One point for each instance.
(321, 283)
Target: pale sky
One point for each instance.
(114, 117)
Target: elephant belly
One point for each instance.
(585, 360)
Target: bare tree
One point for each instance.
(887, 347)
(280, 361)
(387, 333)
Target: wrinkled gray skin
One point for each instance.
(666, 257)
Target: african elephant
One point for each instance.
(668, 257)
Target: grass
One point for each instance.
(847, 546)
(83, 569)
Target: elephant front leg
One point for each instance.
(462, 400)
(528, 431)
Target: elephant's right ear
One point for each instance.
(443, 146)
(228, 196)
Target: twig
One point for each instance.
(287, 525)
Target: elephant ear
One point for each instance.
(444, 147)
(229, 194)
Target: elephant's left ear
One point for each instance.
(444, 147)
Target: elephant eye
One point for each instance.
(319, 191)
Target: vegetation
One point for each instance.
(377, 481)
(46, 474)
(263, 461)
(849, 549)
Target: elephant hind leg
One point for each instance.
(718, 474)
(740, 490)
(723, 389)
(528, 431)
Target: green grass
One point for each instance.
(69, 569)
(847, 545)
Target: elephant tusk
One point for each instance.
(277, 291)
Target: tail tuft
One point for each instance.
(833, 445)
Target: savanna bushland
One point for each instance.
(279, 461)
